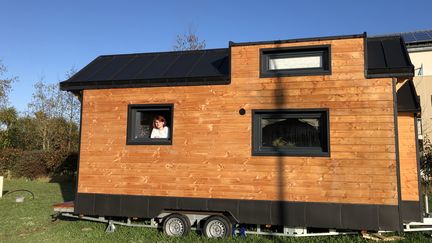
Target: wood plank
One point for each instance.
(407, 157)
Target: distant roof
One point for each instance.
(197, 67)
(414, 38)
(417, 37)
(387, 57)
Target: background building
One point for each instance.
(419, 46)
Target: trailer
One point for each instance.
(197, 222)
(296, 134)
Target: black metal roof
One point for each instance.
(387, 57)
(407, 98)
(199, 67)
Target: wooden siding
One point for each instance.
(407, 157)
(211, 152)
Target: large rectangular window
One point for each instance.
(150, 124)
(290, 132)
(294, 61)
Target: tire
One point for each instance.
(176, 225)
(217, 227)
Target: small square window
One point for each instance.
(290, 132)
(150, 124)
(312, 60)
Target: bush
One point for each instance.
(37, 163)
(66, 165)
(31, 164)
(8, 158)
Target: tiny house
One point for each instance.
(314, 132)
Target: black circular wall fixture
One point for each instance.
(242, 111)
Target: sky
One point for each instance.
(45, 39)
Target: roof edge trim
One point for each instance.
(200, 81)
(335, 37)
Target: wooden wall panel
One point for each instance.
(407, 155)
(211, 151)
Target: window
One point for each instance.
(150, 124)
(295, 61)
(290, 132)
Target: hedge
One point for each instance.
(33, 164)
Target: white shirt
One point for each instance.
(159, 133)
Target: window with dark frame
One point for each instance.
(142, 128)
(290, 132)
(294, 61)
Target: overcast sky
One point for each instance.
(44, 39)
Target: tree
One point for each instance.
(71, 107)
(426, 165)
(23, 135)
(8, 117)
(44, 106)
(188, 41)
(48, 105)
(5, 85)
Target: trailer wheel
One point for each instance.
(217, 227)
(176, 225)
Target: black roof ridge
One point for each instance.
(331, 37)
(164, 52)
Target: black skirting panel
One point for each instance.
(301, 214)
(411, 211)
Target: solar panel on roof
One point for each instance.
(158, 67)
(421, 36)
(111, 68)
(210, 64)
(184, 64)
(138, 63)
(90, 69)
(408, 38)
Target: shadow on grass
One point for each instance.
(65, 176)
(67, 186)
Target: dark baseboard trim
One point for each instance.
(411, 211)
(301, 214)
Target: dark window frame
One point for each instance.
(132, 109)
(303, 51)
(323, 114)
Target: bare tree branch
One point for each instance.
(188, 41)
(5, 86)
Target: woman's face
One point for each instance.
(159, 124)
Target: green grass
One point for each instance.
(31, 221)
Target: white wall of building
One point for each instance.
(422, 58)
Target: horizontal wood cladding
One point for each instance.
(211, 152)
(408, 159)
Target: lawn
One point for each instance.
(31, 221)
